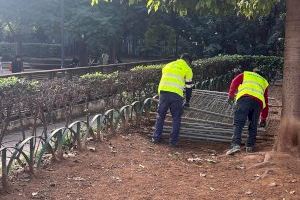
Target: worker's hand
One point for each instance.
(230, 100)
(262, 123)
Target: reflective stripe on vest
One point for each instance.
(172, 75)
(253, 85)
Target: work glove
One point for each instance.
(230, 101)
(262, 123)
(186, 105)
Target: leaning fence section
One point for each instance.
(210, 118)
(30, 153)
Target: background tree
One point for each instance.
(125, 30)
(29, 21)
(252, 8)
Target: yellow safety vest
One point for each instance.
(253, 85)
(174, 76)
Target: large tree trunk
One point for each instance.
(289, 137)
(291, 79)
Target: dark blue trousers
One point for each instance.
(172, 101)
(246, 107)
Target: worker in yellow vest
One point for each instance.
(176, 76)
(250, 91)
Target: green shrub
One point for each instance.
(18, 84)
(216, 73)
(212, 67)
(99, 76)
(147, 67)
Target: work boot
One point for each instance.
(155, 141)
(173, 146)
(249, 149)
(233, 150)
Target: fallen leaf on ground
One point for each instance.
(92, 149)
(211, 161)
(125, 137)
(90, 139)
(78, 178)
(194, 160)
(239, 167)
(34, 194)
(272, 184)
(292, 192)
(141, 166)
(116, 178)
(248, 192)
(71, 155)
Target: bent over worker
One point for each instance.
(251, 98)
(176, 76)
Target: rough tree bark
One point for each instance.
(289, 136)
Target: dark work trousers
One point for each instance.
(172, 101)
(246, 107)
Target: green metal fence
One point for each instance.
(30, 152)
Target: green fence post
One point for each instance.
(4, 170)
(98, 127)
(78, 127)
(59, 143)
(31, 155)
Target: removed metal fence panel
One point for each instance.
(215, 135)
(209, 112)
(211, 92)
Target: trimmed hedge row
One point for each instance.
(216, 73)
(209, 68)
(23, 98)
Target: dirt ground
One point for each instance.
(128, 166)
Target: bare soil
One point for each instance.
(128, 166)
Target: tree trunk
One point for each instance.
(19, 45)
(289, 139)
(82, 53)
(112, 51)
(291, 78)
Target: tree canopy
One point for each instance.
(126, 27)
(249, 8)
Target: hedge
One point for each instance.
(212, 67)
(216, 73)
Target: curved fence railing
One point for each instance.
(30, 153)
